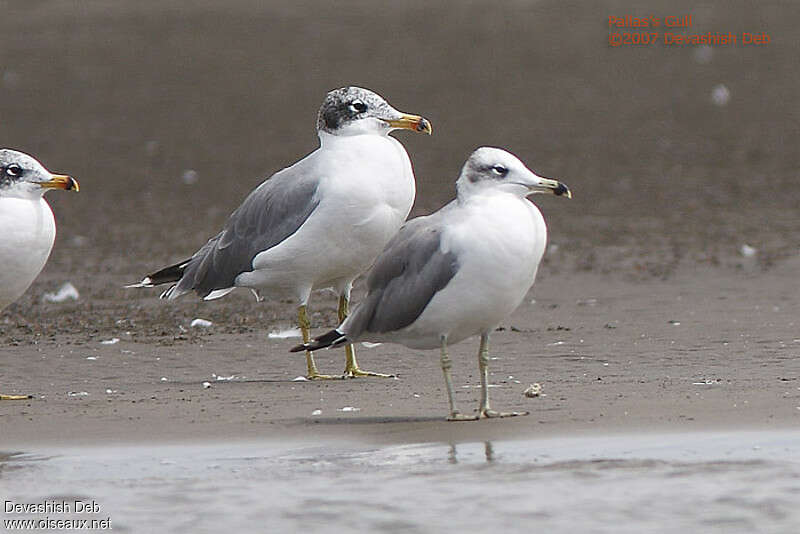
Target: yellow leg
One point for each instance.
(483, 365)
(15, 397)
(305, 326)
(447, 363)
(351, 368)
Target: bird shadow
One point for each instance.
(367, 420)
(337, 380)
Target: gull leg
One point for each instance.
(447, 363)
(351, 368)
(483, 364)
(15, 397)
(305, 326)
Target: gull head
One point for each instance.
(491, 168)
(357, 111)
(23, 177)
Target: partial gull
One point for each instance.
(317, 224)
(457, 272)
(27, 226)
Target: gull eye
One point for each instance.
(14, 170)
(499, 170)
(358, 106)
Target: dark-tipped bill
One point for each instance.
(412, 122)
(61, 181)
(555, 187)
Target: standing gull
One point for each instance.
(457, 272)
(27, 226)
(319, 223)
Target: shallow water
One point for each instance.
(700, 482)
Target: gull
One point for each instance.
(27, 226)
(457, 272)
(317, 224)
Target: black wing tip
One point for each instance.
(334, 338)
(173, 273)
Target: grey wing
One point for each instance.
(270, 214)
(406, 276)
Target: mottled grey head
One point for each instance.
(353, 110)
(22, 176)
(489, 167)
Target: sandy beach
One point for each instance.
(667, 300)
(668, 188)
(697, 351)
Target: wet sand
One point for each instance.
(695, 352)
(647, 315)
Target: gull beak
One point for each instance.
(61, 181)
(411, 122)
(548, 185)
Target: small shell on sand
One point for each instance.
(534, 390)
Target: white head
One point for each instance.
(495, 169)
(354, 111)
(22, 176)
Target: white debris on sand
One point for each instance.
(349, 409)
(206, 385)
(300, 379)
(747, 251)
(65, 292)
(708, 382)
(720, 95)
(316, 412)
(112, 341)
(222, 378)
(534, 390)
(368, 345)
(285, 334)
(190, 177)
(200, 323)
(78, 393)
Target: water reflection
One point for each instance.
(735, 480)
(488, 453)
(10, 461)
